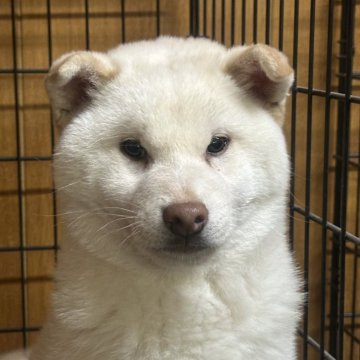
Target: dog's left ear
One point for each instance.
(264, 73)
(73, 79)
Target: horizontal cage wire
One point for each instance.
(322, 128)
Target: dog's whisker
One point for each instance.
(133, 233)
(72, 223)
(116, 208)
(66, 186)
(119, 229)
(58, 214)
(111, 222)
(115, 214)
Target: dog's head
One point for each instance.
(171, 150)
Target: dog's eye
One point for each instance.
(133, 149)
(217, 145)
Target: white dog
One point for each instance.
(173, 176)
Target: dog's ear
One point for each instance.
(264, 73)
(73, 79)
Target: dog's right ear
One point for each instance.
(263, 73)
(73, 79)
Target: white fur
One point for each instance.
(116, 297)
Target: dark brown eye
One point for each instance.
(133, 149)
(217, 145)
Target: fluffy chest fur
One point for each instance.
(229, 313)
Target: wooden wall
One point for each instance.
(27, 133)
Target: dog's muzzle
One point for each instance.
(186, 221)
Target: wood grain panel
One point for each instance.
(10, 299)
(105, 15)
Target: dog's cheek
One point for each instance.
(118, 187)
(229, 194)
(149, 199)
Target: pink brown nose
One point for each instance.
(186, 219)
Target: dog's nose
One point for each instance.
(186, 219)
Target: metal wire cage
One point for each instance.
(322, 127)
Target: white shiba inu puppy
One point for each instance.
(173, 176)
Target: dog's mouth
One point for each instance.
(184, 249)
(185, 246)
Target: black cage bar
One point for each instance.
(324, 217)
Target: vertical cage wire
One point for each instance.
(325, 184)
(308, 174)
(52, 126)
(19, 180)
(123, 27)
(293, 123)
(341, 181)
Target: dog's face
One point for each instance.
(171, 150)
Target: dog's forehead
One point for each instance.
(168, 51)
(170, 97)
(168, 100)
